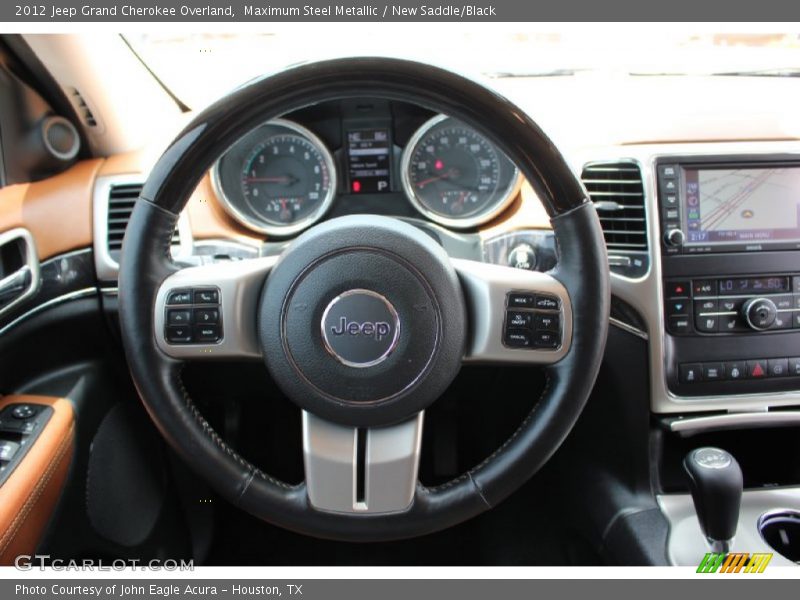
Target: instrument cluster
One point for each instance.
(292, 172)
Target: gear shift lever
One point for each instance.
(715, 480)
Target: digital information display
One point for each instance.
(741, 206)
(754, 285)
(369, 160)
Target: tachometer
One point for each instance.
(284, 182)
(455, 176)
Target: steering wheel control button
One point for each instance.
(179, 334)
(547, 322)
(517, 300)
(206, 315)
(546, 302)
(519, 338)
(210, 296)
(179, 297)
(360, 328)
(518, 319)
(206, 333)
(178, 317)
(23, 411)
(545, 339)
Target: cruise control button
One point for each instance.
(546, 322)
(518, 319)
(546, 302)
(179, 334)
(178, 317)
(713, 371)
(517, 300)
(179, 297)
(206, 333)
(778, 367)
(518, 338)
(206, 315)
(206, 297)
(690, 373)
(756, 369)
(545, 339)
(735, 370)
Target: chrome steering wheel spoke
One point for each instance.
(209, 311)
(361, 470)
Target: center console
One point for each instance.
(730, 269)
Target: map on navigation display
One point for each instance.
(742, 205)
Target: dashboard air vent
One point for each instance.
(121, 199)
(617, 192)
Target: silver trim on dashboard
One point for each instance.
(508, 194)
(298, 226)
(31, 266)
(693, 425)
(45, 305)
(645, 294)
(106, 267)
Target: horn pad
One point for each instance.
(362, 321)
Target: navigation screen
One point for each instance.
(742, 205)
(369, 157)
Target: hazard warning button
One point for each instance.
(756, 369)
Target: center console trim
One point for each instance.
(646, 293)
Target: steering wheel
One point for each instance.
(364, 321)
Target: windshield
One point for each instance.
(199, 68)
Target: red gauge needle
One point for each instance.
(285, 179)
(448, 174)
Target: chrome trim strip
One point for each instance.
(296, 227)
(628, 328)
(49, 304)
(694, 425)
(391, 465)
(31, 265)
(106, 267)
(507, 196)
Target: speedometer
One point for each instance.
(455, 176)
(278, 179)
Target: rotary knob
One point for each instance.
(759, 313)
(674, 237)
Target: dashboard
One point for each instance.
(368, 155)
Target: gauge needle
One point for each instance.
(284, 179)
(448, 174)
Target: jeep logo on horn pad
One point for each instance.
(360, 328)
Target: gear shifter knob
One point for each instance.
(715, 480)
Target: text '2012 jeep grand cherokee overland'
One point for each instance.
(547, 314)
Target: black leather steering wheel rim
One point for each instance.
(582, 269)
